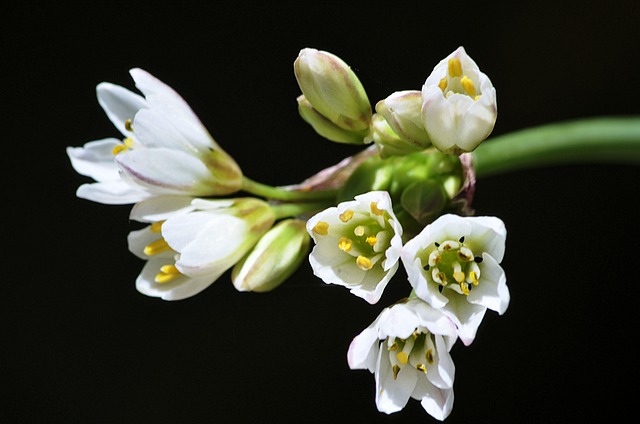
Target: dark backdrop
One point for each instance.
(82, 345)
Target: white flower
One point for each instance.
(459, 106)
(453, 264)
(166, 149)
(358, 244)
(191, 243)
(407, 348)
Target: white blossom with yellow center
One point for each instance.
(453, 264)
(165, 148)
(357, 244)
(459, 107)
(407, 348)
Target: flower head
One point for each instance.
(402, 111)
(358, 244)
(453, 264)
(407, 348)
(459, 106)
(191, 247)
(165, 150)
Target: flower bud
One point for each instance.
(403, 112)
(274, 258)
(333, 89)
(325, 127)
(459, 107)
(386, 140)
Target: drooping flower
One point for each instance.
(191, 246)
(165, 150)
(407, 348)
(358, 244)
(459, 108)
(453, 265)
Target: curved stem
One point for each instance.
(278, 193)
(588, 140)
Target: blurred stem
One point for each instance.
(277, 193)
(286, 210)
(588, 140)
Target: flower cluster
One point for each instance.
(405, 200)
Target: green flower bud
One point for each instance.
(388, 142)
(325, 127)
(333, 89)
(403, 112)
(278, 253)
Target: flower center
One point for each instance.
(457, 82)
(453, 265)
(128, 142)
(167, 272)
(417, 351)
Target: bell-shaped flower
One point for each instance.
(165, 149)
(407, 348)
(357, 244)
(191, 243)
(453, 264)
(459, 107)
(276, 256)
(403, 112)
(333, 89)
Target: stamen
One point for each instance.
(464, 287)
(458, 275)
(421, 367)
(474, 278)
(346, 216)
(454, 67)
(375, 210)
(442, 85)
(345, 244)
(128, 125)
(128, 142)
(396, 370)
(468, 86)
(321, 228)
(359, 231)
(429, 356)
(167, 273)
(364, 263)
(465, 254)
(434, 258)
(448, 245)
(402, 357)
(156, 227)
(156, 247)
(477, 97)
(372, 240)
(118, 149)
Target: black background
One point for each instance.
(82, 345)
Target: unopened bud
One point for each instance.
(403, 112)
(324, 126)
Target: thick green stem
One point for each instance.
(279, 193)
(588, 140)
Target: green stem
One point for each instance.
(286, 210)
(588, 140)
(279, 193)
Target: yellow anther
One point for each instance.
(402, 357)
(473, 277)
(394, 346)
(321, 228)
(396, 370)
(359, 231)
(477, 97)
(444, 82)
(128, 142)
(372, 240)
(156, 247)
(465, 254)
(364, 263)
(454, 67)
(375, 210)
(442, 276)
(422, 367)
(119, 148)
(465, 288)
(345, 244)
(128, 125)
(346, 216)
(468, 86)
(429, 356)
(167, 273)
(156, 227)
(459, 276)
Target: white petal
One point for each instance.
(488, 235)
(160, 208)
(119, 104)
(492, 292)
(363, 350)
(433, 319)
(437, 402)
(466, 316)
(392, 394)
(374, 283)
(180, 288)
(154, 130)
(400, 321)
(170, 104)
(112, 193)
(165, 170)
(137, 240)
(95, 159)
(424, 289)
